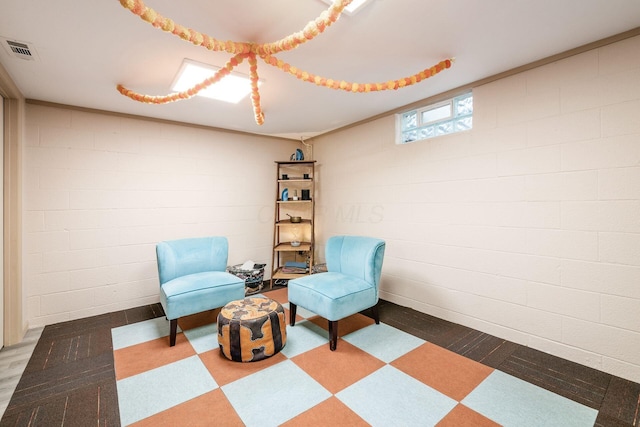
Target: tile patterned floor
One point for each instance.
(379, 375)
(70, 379)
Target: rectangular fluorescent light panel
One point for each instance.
(353, 7)
(232, 88)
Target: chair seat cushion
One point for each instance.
(198, 292)
(332, 295)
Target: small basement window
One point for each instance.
(442, 118)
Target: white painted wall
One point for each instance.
(101, 191)
(526, 227)
(2, 288)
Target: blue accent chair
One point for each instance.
(349, 286)
(193, 278)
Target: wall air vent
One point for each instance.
(19, 49)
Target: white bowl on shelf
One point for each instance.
(295, 243)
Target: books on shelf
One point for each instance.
(295, 267)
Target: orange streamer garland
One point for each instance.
(310, 31)
(191, 92)
(358, 87)
(255, 95)
(242, 50)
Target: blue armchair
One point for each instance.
(193, 278)
(349, 286)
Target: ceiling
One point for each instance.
(84, 49)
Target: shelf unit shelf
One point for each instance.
(279, 274)
(288, 247)
(301, 176)
(288, 222)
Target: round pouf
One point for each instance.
(251, 329)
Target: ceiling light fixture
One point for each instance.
(232, 88)
(353, 7)
(266, 51)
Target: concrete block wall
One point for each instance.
(526, 227)
(101, 190)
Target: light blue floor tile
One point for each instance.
(513, 402)
(203, 338)
(140, 332)
(274, 395)
(301, 311)
(389, 397)
(154, 391)
(383, 341)
(304, 336)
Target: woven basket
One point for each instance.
(319, 268)
(253, 279)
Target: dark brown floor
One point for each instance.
(70, 377)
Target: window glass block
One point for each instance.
(409, 136)
(464, 123)
(464, 105)
(409, 120)
(444, 128)
(427, 132)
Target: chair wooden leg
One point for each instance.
(173, 329)
(292, 314)
(333, 334)
(376, 314)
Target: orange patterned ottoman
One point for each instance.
(251, 329)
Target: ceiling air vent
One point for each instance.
(19, 49)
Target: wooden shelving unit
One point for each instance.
(299, 183)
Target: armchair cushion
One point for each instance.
(333, 295)
(356, 256)
(199, 292)
(182, 257)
